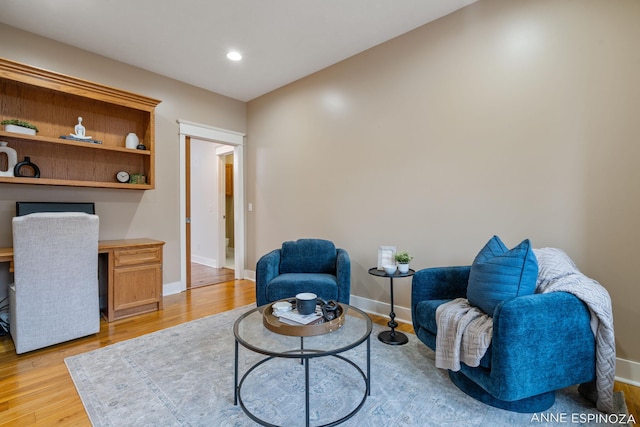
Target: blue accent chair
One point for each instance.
(306, 265)
(540, 343)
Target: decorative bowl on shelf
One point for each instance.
(390, 268)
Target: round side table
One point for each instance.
(392, 337)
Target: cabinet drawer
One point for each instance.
(137, 256)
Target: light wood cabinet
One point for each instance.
(53, 102)
(133, 270)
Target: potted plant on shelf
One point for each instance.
(403, 258)
(19, 126)
(137, 178)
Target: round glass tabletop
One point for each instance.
(250, 332)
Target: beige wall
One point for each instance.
(509, 118)
(123, 213)
(513, 118)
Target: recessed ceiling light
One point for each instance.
(234, 55)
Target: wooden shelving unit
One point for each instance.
(53, 102)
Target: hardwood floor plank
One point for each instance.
(27, 420)
(65, 412)
(36, 388)
(203, 275)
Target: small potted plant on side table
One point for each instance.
(403, 258)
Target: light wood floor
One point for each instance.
(36, 389)
(203, 275)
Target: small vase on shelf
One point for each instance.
(403, 268)
(132, 141)
(12, 159)
(17, 170)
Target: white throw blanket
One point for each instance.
(466, 334)
(467, 330)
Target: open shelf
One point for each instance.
(72, 183)
(93, 146)
(53, 102)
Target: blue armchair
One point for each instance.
(306, 265)
(540, 343)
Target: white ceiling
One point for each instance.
(187, 40)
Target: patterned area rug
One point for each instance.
(183, 376)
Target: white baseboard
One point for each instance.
(172, 288)
(628, 371)
(209, 262)
(403, 314)
(250, 275)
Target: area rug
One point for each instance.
(184, 376)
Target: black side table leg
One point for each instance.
(392, 337)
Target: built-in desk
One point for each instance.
(129, 275)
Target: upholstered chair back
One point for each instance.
(55, 295)
(308, 256)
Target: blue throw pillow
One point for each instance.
(498, 273)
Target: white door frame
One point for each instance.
(221, 136)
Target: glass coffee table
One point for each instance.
(296, 358)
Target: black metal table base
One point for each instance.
(307, 356)
(393, 337)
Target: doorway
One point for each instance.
(227, 149)
(209, 212)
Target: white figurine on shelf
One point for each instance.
(79, 129)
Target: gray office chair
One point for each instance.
(55, 296)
